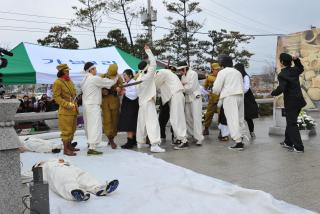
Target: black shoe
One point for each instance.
(292, 149)
(284, 145)
(79, 195)
(111, 187)
(130, 144)
(237, 147)
(74, 144)
(182, 146)
(56, 151)
(175, 143)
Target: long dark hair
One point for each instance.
(128, 72)
(240, 67)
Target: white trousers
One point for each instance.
(148, 123)
(193, 113)
(224, 130)
(234, 111)
(92, 124)
(40, 145)
(63, 179)
(177, 116)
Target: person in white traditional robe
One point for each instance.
(193, 104)
(33, 144)
(71, 182)
(229, 84)
(91, 87)
(171, 90)
(148, 124)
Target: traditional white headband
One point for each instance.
(92, 66)
(182, 67)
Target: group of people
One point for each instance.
(31, 104)
(229, 94)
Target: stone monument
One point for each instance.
(10, 178)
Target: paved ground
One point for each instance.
(264, 165)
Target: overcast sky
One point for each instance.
(246, 16)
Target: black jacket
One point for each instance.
(289, 85)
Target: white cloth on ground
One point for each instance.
(65, 177)
(40, 145)
(234, 112)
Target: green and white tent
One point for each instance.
(35, 64)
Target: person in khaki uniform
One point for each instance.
(111, 105)
(213, 98)
(64, 93)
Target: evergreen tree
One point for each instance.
(115, 38)
(89, 16)
(58, 37)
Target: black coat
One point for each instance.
(251, 108)
(289, 85)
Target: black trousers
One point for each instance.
(292, 135)
(164, 116)
(250, 124)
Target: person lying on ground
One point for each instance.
(71, 182)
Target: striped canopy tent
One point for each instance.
(35, 64)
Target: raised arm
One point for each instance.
(104, 82)
(298, 65)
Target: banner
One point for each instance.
(37, 64)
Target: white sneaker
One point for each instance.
(156, 149)
(142, 145)
(199, 143)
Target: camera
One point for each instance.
(3, 61)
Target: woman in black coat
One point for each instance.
(289, 85)
(250, 104)
(129, 111)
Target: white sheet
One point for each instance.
(151, 185)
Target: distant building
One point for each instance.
(262, 84)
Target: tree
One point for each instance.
(90, 16)
(116, 38)
(222, 42)
(183, 27)
(123, 6)
(58, 37)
